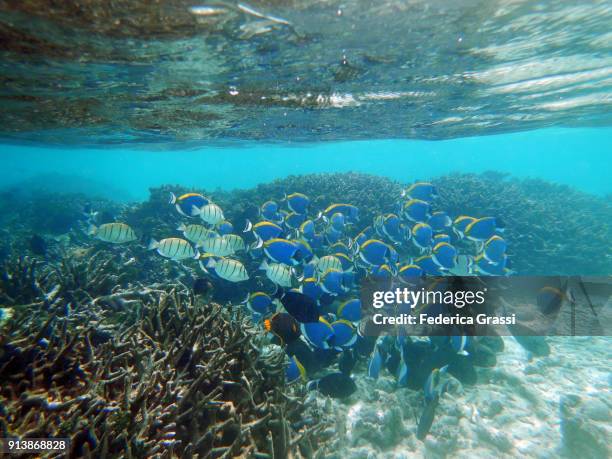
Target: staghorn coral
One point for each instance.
(144, 371)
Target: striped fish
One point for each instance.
(235, 241)
(278, 273)
(174, 248)
(196, 233)
(329, 262)
(210, 213)
(116, 233)
(218, 246)
(228, 269)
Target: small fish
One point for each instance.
(224, 227)
(345, 261)
(550, 299)
(494, 249)
(433, 385)
(269, 211)
(392, 228)
(482, 229)
(416, 210)
(350, 310)
(263, 231)
(382, 272)
(310, 286)
(259, 303)
(207, 10)
(335, 385)
(460, 224)
(227, 268)
(174, 248)
(362, 237)
(283, 326)
(375, 364)
(410, 274)
(295, 370)
(375, 253)
(485, 267)
(235, 242)
(298, 202)
(283, 251)
(350, 212)
(185, 203)
(115, 233)
(337, 221)
(317, 333)
(302, 307)
(428, 265)
(426, 419)
(345, 334)
(196, 233)
(332, 235)
(278, 273)
(335, 282)
(307, 229)
(293, 220)
(218, 246)
(421, 190)
(210, 213)
(328, 262)
(341, 247)
(439, 221)
(422, 236)
(445, 255)
(305, 250)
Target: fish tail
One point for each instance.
(259, 243)
(153, 244)
(248, 226)
(196, 256)
(264, 265)
(172, 199)
(181, 227)
(92, 230)
(195, 210)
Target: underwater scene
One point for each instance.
(306, 229)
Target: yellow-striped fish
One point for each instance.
(218, 246)
(329, 262)
(116, 233)
(235, 241)
(174, 248)
(210, 213)
(226, 268)
(196, 233)
(278, 273)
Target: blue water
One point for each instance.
(577, 157)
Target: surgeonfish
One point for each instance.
(337, 221)
(494, 249)
(310, 286)
(295, 370)
(302, 307)
(298, 202)
(278, 273)
(227, 268)
(416, 210)
(196, 233)
(483, 266)
(460, 224)
(335, 385)
(210, 213)
(350, 212)
(439, 221)
(334, 282)
(224, 227)
(264, 231)
(428, 265)
(328, 262)
(174, 248)
(350, 310)
(269, 211)
(410, 274)
(374, 252)
(318, 333)
(293, 220)
(283, 251)
(459, 344)
(115, 233)
(433, 386)
(185, 203)
(345, 334)
(422, 236)
(219, 246)
(445, 255)
(235, 242)
(375, 363)
(259, 303)
(307, 229)
(421, 190)
(283, 326)
(482, 229)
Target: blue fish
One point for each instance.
(442, 237)
(439, 221)
(259, 303)
(460, 224)
(375, 253)
(345, 334)
(269, 211)
(484, 266)
(317, 241)
(310, 270)
(362, 237)
(335, 282)
(416, 210)
(375, 363)
(340, 247)
(350, 212)
(295, 370)
(307, 229)
(428, 265)
(445, 255)
(332, 235)
(283, 251)
(422, 236)
(337, 221)
(224, 227)
(393, 228)
(410, 274)
(298, 202)
(482, 229)
(495, 249)
(318, 333)
(350, 310)
(382, 272)
(306, 253)
(403, 372)
(310, 286)
(186, 203)
(293, 220)
(345, 260)
(263, 231)
(421, 190)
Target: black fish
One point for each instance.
(201, 286)
(38, 245)
(284, 326)
(302, 307)
(426, 419)
(335, 385)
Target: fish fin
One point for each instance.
(181, 227)
(264, 264)
(248, 227)
(319, 216)
(195, 210)
(463, 352)
(246, 300)
(203, 267)
(172, 198)
(92, 230)
(259, 243)
(197, 254)
(153, 244)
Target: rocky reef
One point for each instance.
(128, 370)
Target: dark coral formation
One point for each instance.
(138, 371)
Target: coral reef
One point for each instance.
(127, 370)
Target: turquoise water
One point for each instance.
(578, 157)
